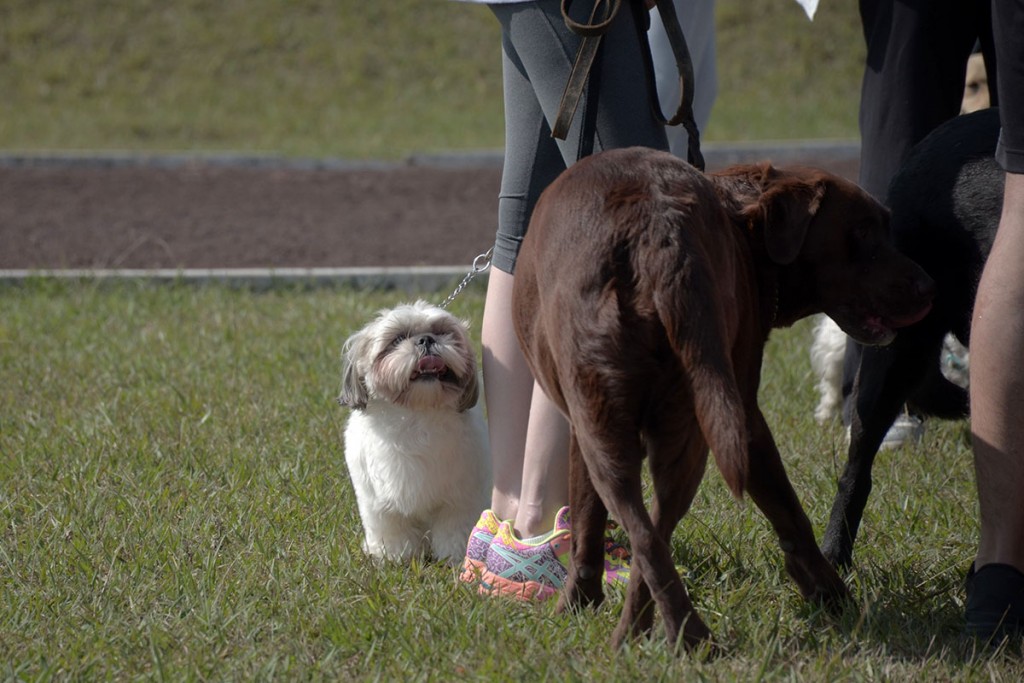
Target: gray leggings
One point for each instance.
(537, 56)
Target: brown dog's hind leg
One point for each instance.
(677, 455)
(653, 561)
(613, 462)
(771, 490)
(584, 584)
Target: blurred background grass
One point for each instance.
(357, 79)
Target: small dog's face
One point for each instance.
(415, 355)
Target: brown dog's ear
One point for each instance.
(787, 206)
(353, 390)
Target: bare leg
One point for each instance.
(545, 467)
(997, 382)
(507, 388)
(529, 436)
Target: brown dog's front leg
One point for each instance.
(771, 490)
(588, 517)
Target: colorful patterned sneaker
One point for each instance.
(616, 564)
(476, 549)
(537, 570)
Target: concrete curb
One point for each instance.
(716, 155)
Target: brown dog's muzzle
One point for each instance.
(887, 306)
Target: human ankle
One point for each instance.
(531, 522)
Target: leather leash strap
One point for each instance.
(592, 34)
(684, 65)
(585, 55)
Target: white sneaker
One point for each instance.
(956, 362)
(905, 430)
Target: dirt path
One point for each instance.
(200, 215)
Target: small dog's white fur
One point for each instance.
(415, 443)
(827, 352)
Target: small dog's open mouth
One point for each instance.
(431, 368)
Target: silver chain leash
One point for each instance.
(480, 264)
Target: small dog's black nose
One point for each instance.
(426, 341)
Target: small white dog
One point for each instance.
(827, 351)
(415, 444)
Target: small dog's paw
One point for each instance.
(451, 551)
(401, 549)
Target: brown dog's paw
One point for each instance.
(835, 597)
(838, 554)
(694, 637)
(580, 593)
(819, 582)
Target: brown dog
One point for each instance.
(644, 295)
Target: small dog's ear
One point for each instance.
(786, 208)
(470, 392)
(353, 390)
(471, 381)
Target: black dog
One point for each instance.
(945, 202)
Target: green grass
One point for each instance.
(173, 498)
(359, 79)
(783, 77)
(174, 505)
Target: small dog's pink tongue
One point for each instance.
(431, 364)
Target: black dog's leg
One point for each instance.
(885, 378)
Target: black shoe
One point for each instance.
(995, 603)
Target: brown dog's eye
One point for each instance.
(863, 242)
(865, 234)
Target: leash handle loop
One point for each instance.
(684, 64)
(593, 29)
(586, 55)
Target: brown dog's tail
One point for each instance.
(720, 413)
(697, 335)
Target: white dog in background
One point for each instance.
(827, 363)
(827, 351)
(415, 444)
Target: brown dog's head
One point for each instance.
(831, 241)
